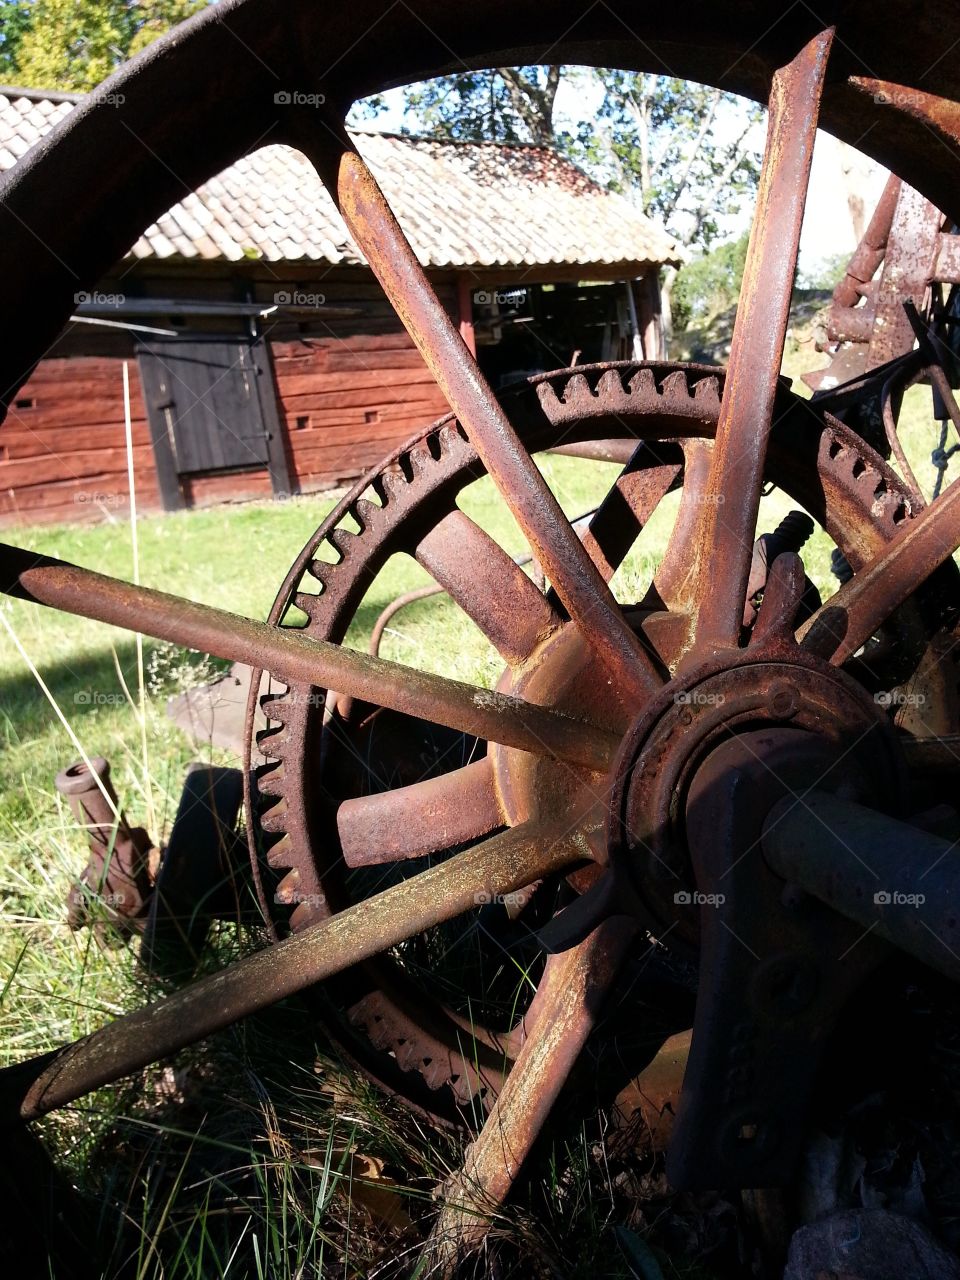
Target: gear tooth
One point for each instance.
(421, 459)
(281, 855)
(344, 541)
(310, 602)
(273, 743)
(287, 890)
(365, 513)
(676, 386)
(320, 571)
(706, 392)
(274, 819)
(547, 395)
(393, 485)
(310, 909)
(577, 392)
(643, 384)
(610, 389)
(271, 781)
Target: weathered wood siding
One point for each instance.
(349, 388)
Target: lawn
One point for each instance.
(278, 1170)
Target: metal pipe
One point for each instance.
(501, 865)
(302, 660)
(849, 618)
(897, 881)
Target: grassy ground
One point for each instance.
(304, 1169)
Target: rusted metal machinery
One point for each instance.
(647, 773)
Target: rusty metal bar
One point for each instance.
(554, 543)
(849, 618)
(297, 658)
(899, 882)
(568, 1003)
(732, 498)
(501, 865)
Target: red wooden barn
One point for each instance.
(264, 357)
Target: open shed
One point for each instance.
(263, 356)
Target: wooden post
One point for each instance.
(465, 305)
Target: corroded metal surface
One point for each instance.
(620, 748)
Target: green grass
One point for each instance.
(251, 1160)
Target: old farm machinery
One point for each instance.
(721, 768)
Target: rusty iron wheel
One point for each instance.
(757, 1038)
(357, 779)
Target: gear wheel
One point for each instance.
(443, 1047)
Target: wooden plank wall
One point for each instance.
(63, 451)
(349, 389)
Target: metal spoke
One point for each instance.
(569, 999)
(551, 537)
(857, 611)
(501, 865)
(494, 591)
(732, 500)
(301, 660)
(675, 582)
(647, 477)
(426, 817)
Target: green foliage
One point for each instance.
(710, 284)
(14, 20)
(826, 273)
(75, 44)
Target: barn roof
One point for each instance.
(461, 204)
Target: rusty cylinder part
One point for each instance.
(893, 879)
(117, 874)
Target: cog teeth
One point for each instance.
(706, 393)
(676, 386)
(344, 541)
(577, 393)
(547, 395)
(610, 390)
(320, 571)
(271, 781)
(311, 604)
(310, 909)
(288, 890)
(274, 819)
(643, 384)
(393, 484)
(366, 514)
(281, 855)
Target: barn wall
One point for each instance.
(350, 386)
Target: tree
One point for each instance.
(685, 152)
(75, 44)
(14, 19)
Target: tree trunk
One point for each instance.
(666, 308)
